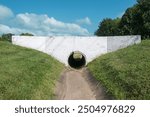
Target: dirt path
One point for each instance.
(78, 84)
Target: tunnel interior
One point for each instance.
(76, 60)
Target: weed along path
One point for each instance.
(78, 85)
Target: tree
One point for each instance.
(135, 21)
(145, 13)
(7, 37)
(131, 22)
(108, 27)
(26, 34)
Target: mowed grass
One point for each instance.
(125, 73)
(27, 73)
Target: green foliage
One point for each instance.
(26, 34)
(108, 27)
(126, 72)
(135, 21)
(131, 22)
(6, 37)
(27, 73)
(144, 7)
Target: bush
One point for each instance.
(6, 37)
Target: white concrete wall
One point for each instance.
(33, 42)
(117, 42)
(60, 47)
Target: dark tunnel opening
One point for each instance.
(77, 60)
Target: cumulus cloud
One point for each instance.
(5, 12)
(85, 20)
(7, 29)
(40, 25)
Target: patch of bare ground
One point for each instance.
(79, 85)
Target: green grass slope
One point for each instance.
(125, 73)
(26, 73)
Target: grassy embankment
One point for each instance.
(26, 73)
(125, 73)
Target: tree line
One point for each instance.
(135, 21)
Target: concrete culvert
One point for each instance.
(76, 60)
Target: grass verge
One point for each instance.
(26, 73)
(125, 73)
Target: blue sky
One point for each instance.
(58, 17)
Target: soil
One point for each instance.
(79, 85)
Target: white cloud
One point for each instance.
(40, 25)
(85, 20)
(5, 12)
(7, 29)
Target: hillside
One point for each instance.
(26, 73)
(125, 73)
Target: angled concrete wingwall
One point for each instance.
(117, 42)
(60, 47)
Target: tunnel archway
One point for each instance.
(77, 60)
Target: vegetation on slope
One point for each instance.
(26, 73)
(125, 73)
(135, 21)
